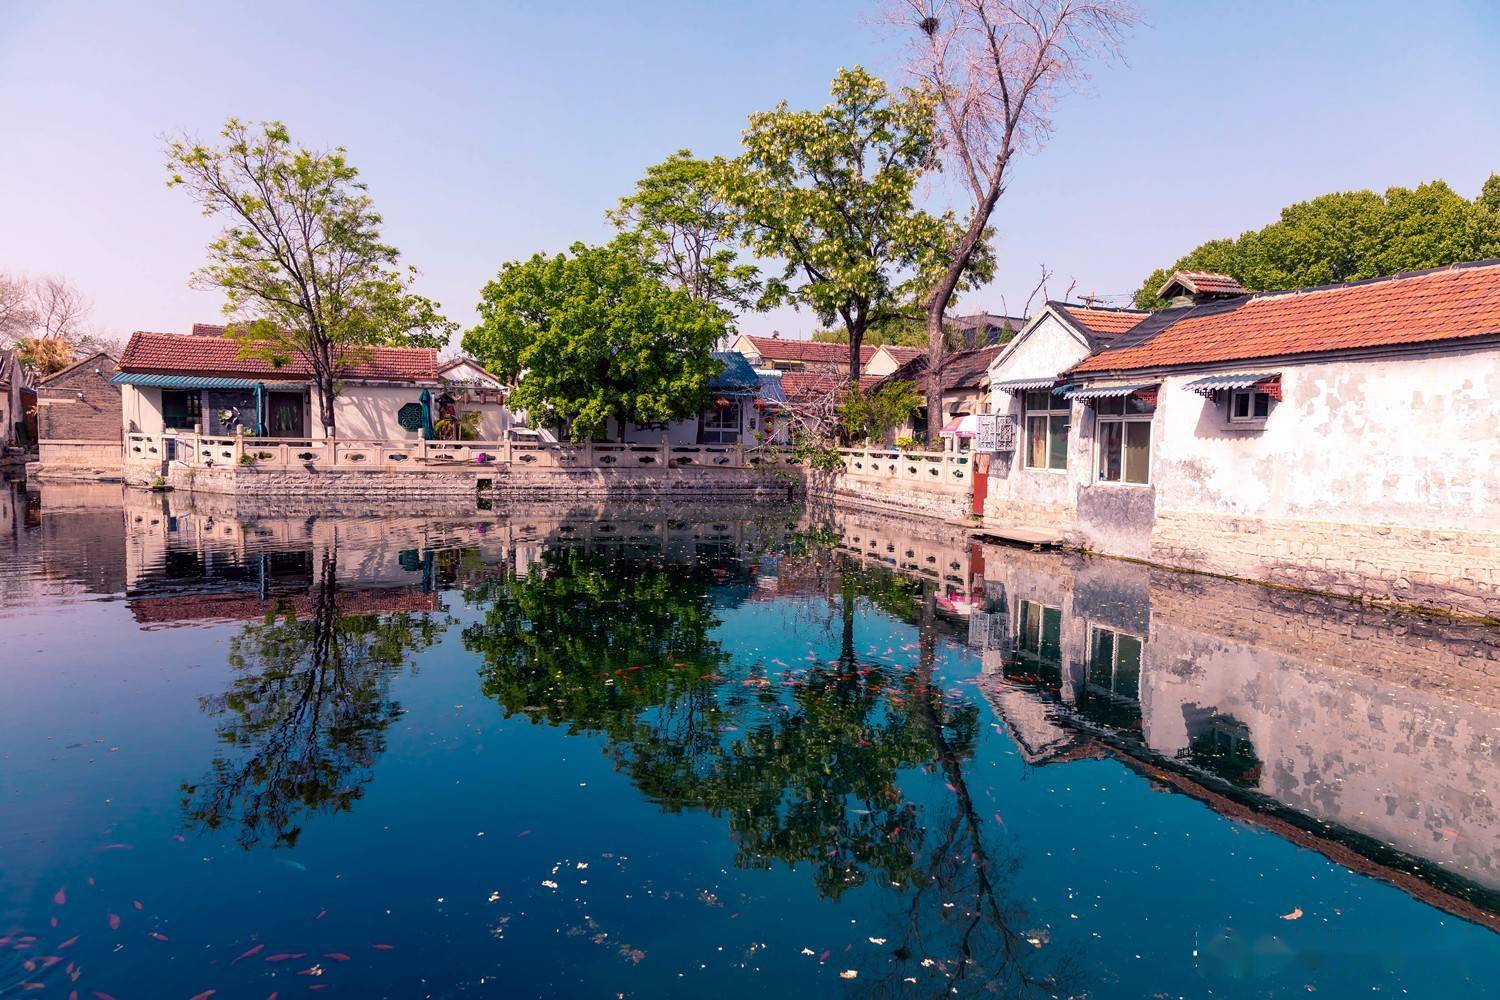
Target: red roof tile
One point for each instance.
(807, 351)
(809, 384)
(180, 354)
(961, 369)
(1106, 322)
(1446, 304)
(904, 354)
(1204, 283)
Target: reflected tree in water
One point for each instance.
(813, 766)
(306, 714)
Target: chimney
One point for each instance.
(1190, 288)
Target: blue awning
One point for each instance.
(1217, 383)
(153, 381)
(1104, 391)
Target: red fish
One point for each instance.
(158, 935)
(70, 942)
(321, 915)
(337, 956)
(824, 957)
(383, 947)
(102, 996)
(204, 995)
(114, 921)
(137, 904)
(253, 951)
(60, 897)
(286, 956)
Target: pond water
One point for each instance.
(647, 752)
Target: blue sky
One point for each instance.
(488, 132)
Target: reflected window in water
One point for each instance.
(1114, 664)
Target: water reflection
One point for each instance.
(304, 720)
(1371, 738)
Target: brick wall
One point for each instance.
(78, 420)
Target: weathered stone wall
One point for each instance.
(904, 498)
(1447, 570)
(493, 481)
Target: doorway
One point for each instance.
(286, 414)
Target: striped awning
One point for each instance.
(1218, 383)
(154, 381)
(1103, 391)
(1025, 384)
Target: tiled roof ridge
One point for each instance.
(1334, 286)
(1064, 304)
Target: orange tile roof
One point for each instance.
(807, 351)
(805, 386)
(184, 354)
(1444, 304)
(1106, 322)
(1205, 282)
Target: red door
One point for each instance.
(981, 479)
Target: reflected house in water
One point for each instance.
(1373, 738)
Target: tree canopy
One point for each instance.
(593, 335)
(301, 262)
(830, 193)
(681, 223)
(1348, 236)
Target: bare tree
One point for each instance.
(998, 68)
(61, 309)
(46, 320)
(17, 317)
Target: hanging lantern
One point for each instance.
(722, 403)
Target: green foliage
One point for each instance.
(459, 427)
(907, 443)
(871, 416)
(830, 192)
(679, 221)
(594, 334)
(1347, 236)
(301, 262)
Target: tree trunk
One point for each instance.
(942, 294)
(325, 405)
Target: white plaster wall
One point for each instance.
(1407, 440)
(1397, 764)
(368, 412)
(1047, 349)
(141, 410)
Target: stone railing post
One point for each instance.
(422, 445)
(239, 445)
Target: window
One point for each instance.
(1047, 420)
(1039, 644)
(720, 424)
(1248, 406)
(181, 410)
(1123, 430)
(1114, 664)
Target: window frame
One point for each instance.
(1058, 408)
(1124, 418)
(1113, 692)
(1251, 418)
(718, 428)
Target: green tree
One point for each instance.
(830, 192)
(679, 220)
(594, 335)
(1348, 236)
(305, 716)
(872, 415)
(301, 263)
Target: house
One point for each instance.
(1340, 438)
(469, 389)
(887, 358)
(78, 421)
(17, 401)
(1033, 421)
(783, 354)
(984, 329)
(200, 380)
(965, 381)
